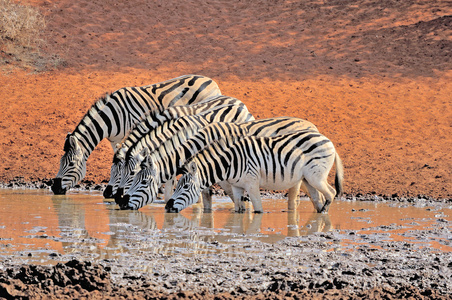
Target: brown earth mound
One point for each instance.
(374, 76)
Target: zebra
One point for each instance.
(161, 165)
(217, 108)
(128, 160)
(113, 115)
(250, 163)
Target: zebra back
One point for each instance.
(114, 115)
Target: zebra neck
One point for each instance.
(211, 172)
(98, 124)
(88, 137)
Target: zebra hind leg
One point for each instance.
(327, 190)
(317, 198)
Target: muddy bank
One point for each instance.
(90, 185)
(317, 266)
(363, 274)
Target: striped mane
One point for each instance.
(94, 110)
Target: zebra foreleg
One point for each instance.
(293, 195)
(207, 199)
(255, 197)
(237, 194)
(169, 189)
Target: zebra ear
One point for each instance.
(152, 166)
(192, 167)
(147, 161)
(70, 143)
(145, 152)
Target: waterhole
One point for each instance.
(38, 227)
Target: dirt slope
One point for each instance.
(374, 76)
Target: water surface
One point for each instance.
(39, 227)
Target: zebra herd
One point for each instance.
(185, 127)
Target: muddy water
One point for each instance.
(41, 228)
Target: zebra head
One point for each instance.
(72, 166)
(187, 190)
(115, 172)
(144, 187)
(115, 178)
(130, 168)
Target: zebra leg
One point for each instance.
(255, 197)
(169, 188)
(292, 195)
(237, 194)
(317, 198)
(207, 199)
(304, 188)
(327, 190)
(239, 206)
(329, 198)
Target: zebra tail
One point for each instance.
(339, 179)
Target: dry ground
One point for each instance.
(374, 76)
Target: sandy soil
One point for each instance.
(374, 76)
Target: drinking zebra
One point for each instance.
(161, 165)
(250, 163)
(126, 162)
(114, 115)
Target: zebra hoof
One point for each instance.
(325, 208)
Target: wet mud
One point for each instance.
(295, 268)
(179, 256)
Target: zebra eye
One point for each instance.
(71, 164)
(132, 173)
(144, 181)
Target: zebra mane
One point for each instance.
(186, 128)
(67, 145)
(144, 121)
(93, 110)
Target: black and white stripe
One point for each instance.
(250, 163)
(115, 114)
(165, 161)
(156, 127)
(128, 158)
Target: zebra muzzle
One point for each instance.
(108, 192)
(125, 202)
(119, 196)
(57, 187)
(169, 207)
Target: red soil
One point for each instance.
(374, 76)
